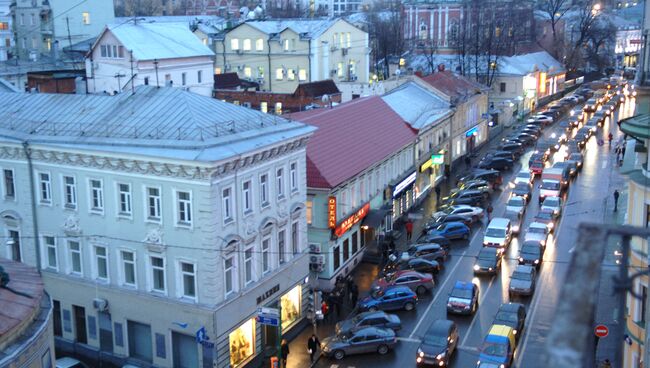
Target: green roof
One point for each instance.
(637, 126)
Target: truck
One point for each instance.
(554, 182)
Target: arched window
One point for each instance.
(423, 31)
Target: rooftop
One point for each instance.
(458, 87)
(15, 309)
(161, 122)
(416, 105)
(307, 28)
(637, 126)
(524, 64)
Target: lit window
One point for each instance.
(50, 252)
(278, 108)
(264, 106)
(291, 74)
(279, 180)
(153, 204)
(247, 44)
(158, 274)
(341, 40)
(293, 174)
(217, 70)
(128, 268)
(226, 204)
(74, 247)
(286, 45)
(246, 196)
(279, 74)
(234, 44)
(124, 199)
(259, 44)
(69, 192)
(302, 74)
(348, 39)
(101, 263)
(248, 72)
(85, 17)
(45, 188)
(96, 196)
(310, 211)
(184, 202)
(339, 70)
(188, 272)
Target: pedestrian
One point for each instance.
(313, 344)
(437, 193)
(325, 309)
(616, 195)
(610, 137)
(409, 229)
(354, 295)
(284, 352)
(489, 211)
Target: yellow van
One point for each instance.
(498, 346)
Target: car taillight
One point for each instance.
(415, 297)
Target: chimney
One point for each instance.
(441, 67)
(169, 83)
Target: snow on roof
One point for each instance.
(417, 106)
(150, 41)
(311, 28)
(528, 63)
(187, 19)
(162, 122)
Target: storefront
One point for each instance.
(430, 173)
(242, 343)
(404, 194)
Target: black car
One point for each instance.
(420, 265)
(496, 163)
(524, 190)
(482, 185)
(463, 298)
(515, 148)
(534, 130)
(429, 251)
(434, 238)
(438, 344)
(512, 315)
(491, 176)
(488, 261)
(577, 157)
(566, 125)
(531, 253)
(536, 157)
(526, 138)
(501, 154)
(470, 197)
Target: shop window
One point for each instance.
(310, 211)
(140, 346)
(290, 306)
(242, 343)
(346, 250)
(355, 242)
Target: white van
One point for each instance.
(498, 234)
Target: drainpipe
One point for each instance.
(223, 47)
(309, 59)
(268, 43)
(30, 167)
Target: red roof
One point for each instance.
(17, 311)
(455, 86)
(350, 138)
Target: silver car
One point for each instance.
(516, 204)
(365, 340)
(538, 232)
(369, 319)
(554, 204)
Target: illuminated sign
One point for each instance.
(542, 82)
(471, 132)
(331, 212)
(438, 159)
(352, 220)
(405, 183)
(427, 164)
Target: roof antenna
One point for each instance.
(132, 83)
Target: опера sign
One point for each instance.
(346, 224)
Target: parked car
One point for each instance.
(480, 185)
(452, 230)
(468, 212)
(492, 176)
(488, 261)
(531, 253)
(516, 204)
(425, 239)
(523, 176)
(433, 224)
(463, 298)
(522, 281)
(428, 251)
(547, 217)
(438, 344)
(512, 315)
(368, 319)
(537, 232)
(495, 163)
(415, 264)
(468, 197)
(365, 340)
(516, 148)
(399, 297)
(554, 204)
(523, 190)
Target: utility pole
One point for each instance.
(67, 22)
(132, 83)
(119, 82)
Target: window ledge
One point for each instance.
(184, 225)
(228, 221)
(248, 213)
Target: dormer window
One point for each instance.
(111, 51)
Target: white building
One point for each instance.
(157, 216)
(6, 34)
(127, 54)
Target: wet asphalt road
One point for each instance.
(585, 200)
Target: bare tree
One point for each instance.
(284, 9)
(131, 8)
(385, 32)
(583, 19)
(555, 10)
(601, 35)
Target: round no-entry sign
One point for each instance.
(601, 331)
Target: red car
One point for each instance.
(536, 167)
(418, 282)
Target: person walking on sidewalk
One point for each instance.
(488, 212)
(409, 229)
(354, 295)
(616, 195)
(437, 194)
(313, 344)
(284, 352)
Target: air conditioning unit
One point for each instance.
(240, 51)
(318, 259)
(315, 248)
(316, 268)
(334, 48)
(333, 72)
(353, 77)
(100, 304)
(344, 51)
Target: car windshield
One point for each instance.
(531, 250)
(545, 215)
(461, 293)
(495, 233)
(435, 340)
(522, 276)
(486, 256)
(551, 202)
(551, 185)
(495, 349)
(536, 230)
(506, 316)
(516, 201)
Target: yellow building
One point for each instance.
(280, 54)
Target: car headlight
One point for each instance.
(420, 352)
(449, 305)
(476, 268)
(536, 261)
(514, 332)
(466, 307)
(485, 243)
(521, 259)
(440, 356)
(326, 348)
(490, 269)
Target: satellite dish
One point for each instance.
(258, 12)
(398, 72)
(325, 98)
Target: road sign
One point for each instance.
(601, 331)
(268, 311)
(267, 320)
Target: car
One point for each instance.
(526, 138)
(394, 298)
(498, 348)
(428, 251)
(415, 264)
(495, 163)
(599, 117)
(566, 125)
(573, 165)
(547, 217)
(536, 167)
(498, 234)
(537, 232)
(524, 190)
(463, 298)
(438, 344)
(452, 230)
(503, 154)
(515, 219)
(368, 319)
(578, 158)
(67, 362)
(523, 176)
(488, 261)
(554, 204)
(522, 281)
(425, 239)
(434, 223)
(516, 148)
(469, 212)
(480, 185)
(469, 197)
(494, 177)
(512, 315)
(365, 340)
(542, 118)
(531, 253)
(577, 114)
(516, 204)
(591, 105)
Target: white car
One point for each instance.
(516, 204)
(469, 213)
(543, 118)
(537, 231)
(524, 176)
(554, 204)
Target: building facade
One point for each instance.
(280, 54)
(130, 54)
(6, 30)
(182, 229)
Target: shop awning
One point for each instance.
(374, 218)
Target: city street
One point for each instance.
(589, 198)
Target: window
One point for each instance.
(184, 202)
(229, 275)
(355, 242)
(278, 108)
(4, 26)
(279, 180)
(281, 246)
(647, 215)
(24, 42)
(45, 188)
(34, 43)
(128, 268)
(259, 44)
(291, 74)
(293, 176)
(188, 275)
(264, 106)
(96, 196)
(234, 44)
(346, 250)
(248, 265)
(101, 263)
(348, 38)
(69, 192)
(295, 248)
(264, 190)
(248, 72)
(85, 16)
(50, 252)
(246, 196)
(266, 264)
(502, 87)
(247, 44)
(339, 70)
(302, 74)
(158, 274)
(32, 19)
(74, 247)
(226, 203)
(286, 45)
(124, 191)
(642, 308)
(153, 204)
(22, 19)
(279, 74)
(183, 79)
(341, 40)
(337, 257)
(10, 186)
(199, 76)
(310, 211)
